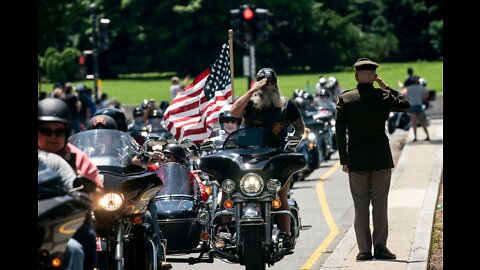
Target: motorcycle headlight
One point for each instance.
(311, 136)
(251, 184)
(332, 122)
(273, 185)
(391, 114)
(228, 186)
(111, 201)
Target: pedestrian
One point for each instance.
(174, 87)
(362, 113)
(263, 106)
(416, 95)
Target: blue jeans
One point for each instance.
(74, 256)
(87, 237)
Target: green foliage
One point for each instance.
(185, 36)
(133, 91)
(60, 66)
(435, 31)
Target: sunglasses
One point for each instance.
(49, 132)
(230, 121)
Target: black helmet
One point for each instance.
(117, 115)
(176, 150)
(308, 96)
(54, 110)
(155, 114)
(267, 73)
(101, 122)
(227, 115)
(138, 112)
(144, 104)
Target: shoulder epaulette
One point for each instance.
(346, 91)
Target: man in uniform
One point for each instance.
(362, 113)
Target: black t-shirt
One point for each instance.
(409, 81)
(292, 111)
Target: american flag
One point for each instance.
(195, 109)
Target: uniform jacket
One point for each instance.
(360, 126)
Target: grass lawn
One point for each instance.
(133, 91)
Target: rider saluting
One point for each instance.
(263, 106)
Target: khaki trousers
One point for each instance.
(370, 187)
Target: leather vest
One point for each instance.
(273, 119)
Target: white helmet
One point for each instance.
(422, 82)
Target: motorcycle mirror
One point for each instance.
(187, 143)
(171, 140)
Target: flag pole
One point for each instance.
(230, 41)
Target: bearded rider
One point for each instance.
(263, 106)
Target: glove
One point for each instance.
(83, 199)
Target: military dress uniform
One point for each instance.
(364, 146)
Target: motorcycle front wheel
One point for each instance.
(252, 248)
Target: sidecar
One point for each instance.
(178, 204)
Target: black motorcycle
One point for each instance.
(125, 240)
(181, 213)
(251, 168)
(60, 213)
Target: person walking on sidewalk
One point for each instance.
(362, 113)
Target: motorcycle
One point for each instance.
(251, 169)
(309, 148)
(181, 216)
(60, 213)
(124, 240)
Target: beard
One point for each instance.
(263, 100)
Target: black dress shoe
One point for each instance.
(384, 253)
(363, 256)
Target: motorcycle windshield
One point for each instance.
(175, 179)
(254, 137)
(106, 147)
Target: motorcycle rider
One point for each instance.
(117, 115)
(138, 123)
(324, 101)
(106, 122)
(263, 106)
(173, 152)
(74, 256)
(228, 124)
(54, 121)
(155, 121)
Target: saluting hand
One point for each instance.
(381, 83)
(257, 86)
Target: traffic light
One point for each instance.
(81, 60)
(250, 24)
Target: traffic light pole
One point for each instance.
(93, 11)
(252, 62)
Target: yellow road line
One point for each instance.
(322, 199)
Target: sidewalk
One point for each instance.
(411, 205)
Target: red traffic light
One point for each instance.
(248, 14)
(81, 60)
